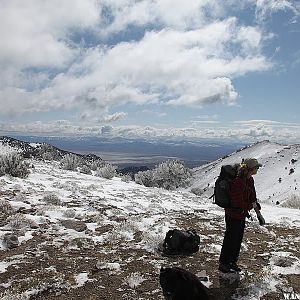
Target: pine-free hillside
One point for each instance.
(40, 150)
(277, 181)
(15, 156)
(67, 234)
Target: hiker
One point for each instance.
(243, 198)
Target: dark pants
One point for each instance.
(232, 240)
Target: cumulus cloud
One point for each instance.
(35, 32)
(247, 132)
(267, 129)
(114, 117)
(184, 53)
(265, 8)
(193, 67)
(265, 122)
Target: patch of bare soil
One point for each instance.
(48, 270)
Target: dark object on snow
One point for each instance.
(227, 174)
(178, 242)
(180, 284)
(10, 240)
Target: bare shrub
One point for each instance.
(169, 175)
(13, 295)
(99, 218)
(85, 170)
(152, 241)
(71, 162)
(48, 152)
(5, 207)
(70, 213)
(20, 197)
(96, 165)
(292, 202)
(146, 178)
(107, 172)
(19, 221)
(13, 164)
(52, 198)
(47, 156)
(134, 279)
(126, 178)
(127, 226)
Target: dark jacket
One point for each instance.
(242, 194)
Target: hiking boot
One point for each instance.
(235, 267)
(225, 268)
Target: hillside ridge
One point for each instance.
(279, 176)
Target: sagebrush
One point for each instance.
(169, 175)
(71, 162)
(14, 164)
(292, 202)
(107, 172)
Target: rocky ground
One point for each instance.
(101, 242)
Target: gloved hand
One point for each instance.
(258, 205)
(260, 218)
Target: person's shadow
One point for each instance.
(228, 285)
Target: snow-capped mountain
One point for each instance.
(277, 181)
(68, 235)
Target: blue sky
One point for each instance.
(151, 68)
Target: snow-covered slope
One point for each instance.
(85, 237)
(277, 181)
(38, 150)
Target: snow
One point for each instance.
(5, 264)
(130, 208)
(5, 149)
(28, 235)
(277, 162)
(134, 279)
(81, 279)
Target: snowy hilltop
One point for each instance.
(74, 234)
(278, 180)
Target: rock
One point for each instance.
(104, 228)
(34, 225)
(284, 262)
(10, 240)
(73, 224)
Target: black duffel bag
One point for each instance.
(179, 242)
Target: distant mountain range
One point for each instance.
(141, 152)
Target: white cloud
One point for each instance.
(114, 117)
(187, 59)
(266, 122)
(35, 32)
(192, 67)
(248, 133)
(265, 8)
(170, 13)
